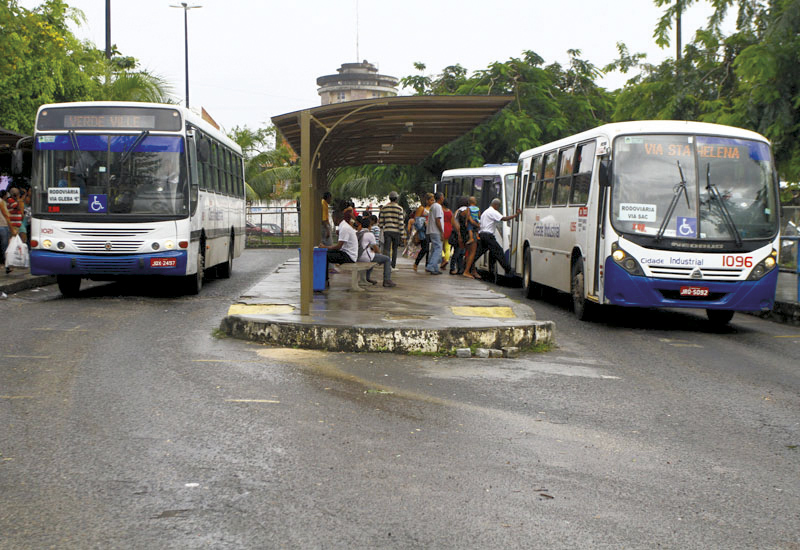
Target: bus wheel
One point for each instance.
(224, 270)
(580, 305)
(719, 316)
(194, 283)
(69, 285)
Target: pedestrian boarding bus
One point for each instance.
(131, 189)
(652, 214)
(485, 183)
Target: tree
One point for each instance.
(270, 170)
(41, 61)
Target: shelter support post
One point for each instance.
(307, 218)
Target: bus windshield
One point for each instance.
(693, 187)
(103, 176)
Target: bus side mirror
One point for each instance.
(604, 175)
(17, 162)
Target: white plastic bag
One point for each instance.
(17, 253)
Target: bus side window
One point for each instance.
(564, 179)
(214, 180)
(533, 182)
(477, 190)
(579, 195)
(546, 184)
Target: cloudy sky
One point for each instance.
(250, 60)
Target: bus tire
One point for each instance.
(531, 289)
(581, 307)
(194, 282)
(225, 270)
(69, 285)
(719, 317)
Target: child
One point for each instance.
(475, 213)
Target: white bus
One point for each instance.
(485, 183)
(652, 214)
(127, 189)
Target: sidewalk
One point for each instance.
(418, 315)
(21, 279)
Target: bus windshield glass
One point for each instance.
(693, 187)
(101, 175)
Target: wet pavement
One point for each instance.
(423, 313)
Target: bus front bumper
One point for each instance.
(170, 263)
(623, 289)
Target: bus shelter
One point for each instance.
(391, 130)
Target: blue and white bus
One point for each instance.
(652, 214)
(131, 189)
(485, 183)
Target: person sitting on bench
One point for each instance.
(369, 252)
(345, 251)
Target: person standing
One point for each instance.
(391, 223)
(435, 230)
(489, 220)
(420, 225)
(327, 230)
(6, 229)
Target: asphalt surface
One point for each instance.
(126, 422)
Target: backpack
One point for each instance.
(420, 225)
(360, 234)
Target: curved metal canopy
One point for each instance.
(391, 130)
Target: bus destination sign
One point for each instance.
(127, 122)
(109, 118)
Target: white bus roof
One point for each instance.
(486, 170)
(615, 129)
(188, 115)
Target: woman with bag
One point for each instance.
(6, 230)
(420, 222)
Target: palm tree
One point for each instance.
(123, 82)
(270, 171)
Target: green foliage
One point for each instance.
(41, 61)
(270, 172)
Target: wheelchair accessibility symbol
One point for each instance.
(98, 203)
(687, 227)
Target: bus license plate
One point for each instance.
(163, 262)
(694, 291)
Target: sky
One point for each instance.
(250, 60)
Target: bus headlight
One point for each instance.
(626, 261)
(47, 243)
(169, 245)
(763, 267)
(155, 246)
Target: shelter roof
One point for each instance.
(8, 138)
(389, 130)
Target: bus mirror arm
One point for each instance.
(604, 176)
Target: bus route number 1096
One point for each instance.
(737, 261)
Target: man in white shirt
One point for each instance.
(435, 230)
(489, 220)
(345, 251)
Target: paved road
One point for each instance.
(125, 423)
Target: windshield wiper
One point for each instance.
(132, 148)
(726, 214)
(680, 188)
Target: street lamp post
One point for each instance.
(186, 9)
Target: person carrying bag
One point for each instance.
(17, 253)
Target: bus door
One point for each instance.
(519, 192)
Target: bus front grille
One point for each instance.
(708, 273)
(109, 246)
(108, 232)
